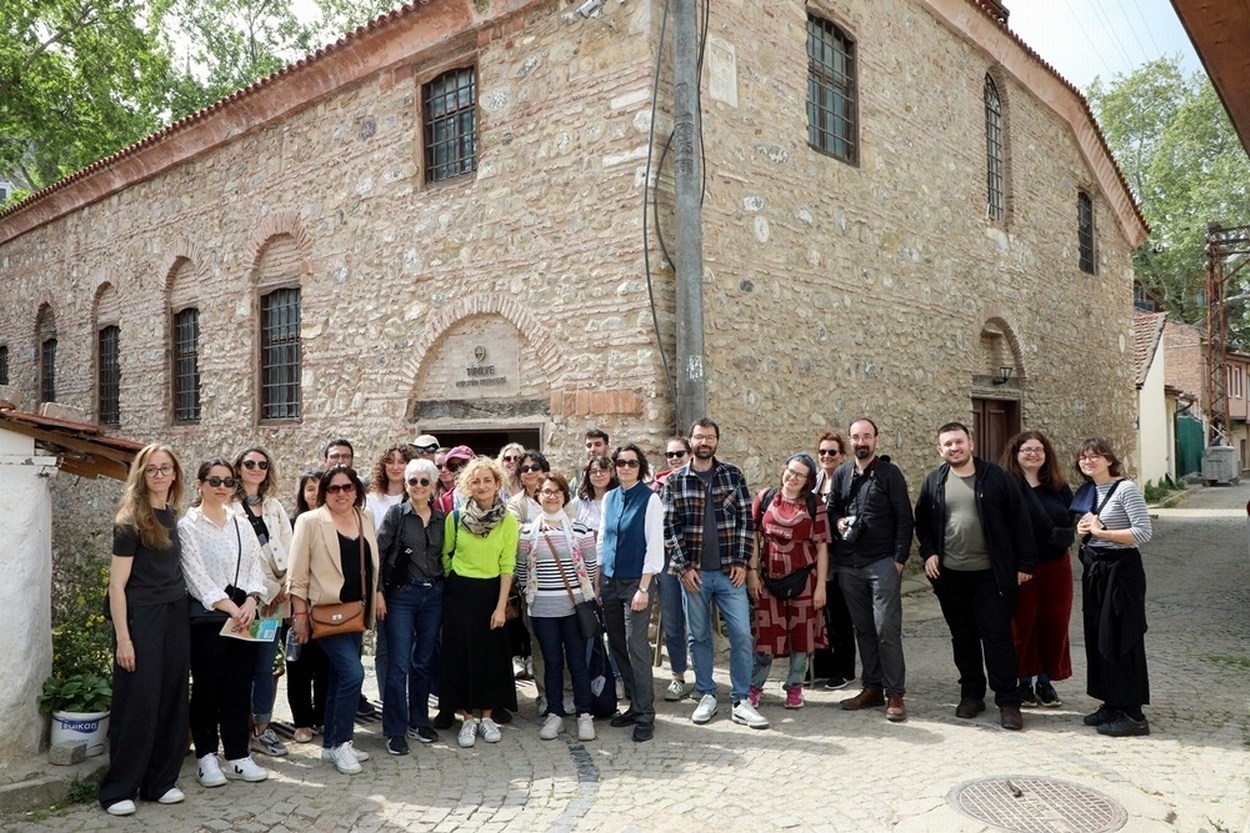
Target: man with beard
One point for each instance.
(708, 533)
(976, 540)
(869, 505)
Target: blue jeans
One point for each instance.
(262, 682)
(414, 614)
(673, 620)
(876, 608)
(560, 640)
(735, 612)
(343, 694)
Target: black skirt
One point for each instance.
(1113, 596)
(477, 661)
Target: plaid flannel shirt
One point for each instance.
(684, 495)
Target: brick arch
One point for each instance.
(182, 250)
(45, 309)
(278, 224)
(106, 305)
(999, 323)
(551, 360)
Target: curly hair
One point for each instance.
(472, 469)
(378, 481)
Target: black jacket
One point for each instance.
(1004, 516)
(884, 514)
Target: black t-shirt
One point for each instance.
(709, 559)
(155, 574)
(349, 558)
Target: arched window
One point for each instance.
(45, 338)
(184, 332)
(995, 194)
(107, 316)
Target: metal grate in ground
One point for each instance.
(1031, 804)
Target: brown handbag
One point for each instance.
(343, 617)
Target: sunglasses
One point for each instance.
(335, 488)
(510, 458)
(830, 452)
(426, 449)
(228, 482)
(418, 481)
(529, 467)
(673, 455)
(263, 465)
(455, 465)
(627, 464)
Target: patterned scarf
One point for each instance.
(481, 521)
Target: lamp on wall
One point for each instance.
(1004, 373)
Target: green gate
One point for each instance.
(1191, 438)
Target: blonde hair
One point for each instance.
(473, 468)
(135, 509)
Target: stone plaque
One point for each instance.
(482, 361)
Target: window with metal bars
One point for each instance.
(280, 355)
(1085, 230)
(108, 376)
(4, 364)
(47, 370)
(831, 90)
(450, 105)
(186, 365)
(995, 197)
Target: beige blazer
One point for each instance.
(315, 570)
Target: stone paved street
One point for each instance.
(819, 768)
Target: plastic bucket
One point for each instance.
(77, 727)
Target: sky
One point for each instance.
(1087, 38)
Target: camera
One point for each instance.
(854, 526)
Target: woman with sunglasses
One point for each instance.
(446, 477)
(835, 664)
(147, 602)
(631, 553)
(598, 478)
(672, 613)
(224, 567)
(410, 540)
(454, 461)
(308, 677)
(333, 545)
(509, 457)
(532, 467)
(255, 501)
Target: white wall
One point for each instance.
(1155, 443)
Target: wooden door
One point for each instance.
(994, 423)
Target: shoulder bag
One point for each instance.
(589, 613)
(343, 617)
(788, 586)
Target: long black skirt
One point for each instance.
(477, 661)
(1113, 600)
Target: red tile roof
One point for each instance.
(1147, 332)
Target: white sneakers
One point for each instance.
(208, 773)
(489, 730)
(746, 714)
(678, 690)
(245, 769)
(344, 758)
(706, 708)
(586, 726)
(468, 733)
(125, 807)
(552, 727)
(173, 795)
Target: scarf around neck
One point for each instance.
(481, 521)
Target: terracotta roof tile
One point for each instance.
(1147, 332)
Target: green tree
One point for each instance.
(1187, 168)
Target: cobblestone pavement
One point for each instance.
(818, 768)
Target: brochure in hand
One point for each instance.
(261, 630)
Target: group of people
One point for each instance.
(462, 561)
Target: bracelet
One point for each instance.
(753, 569)
(644, 591)
(300, 613)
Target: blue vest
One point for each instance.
(625, 531)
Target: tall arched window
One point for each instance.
(995, 195)
(45, 339)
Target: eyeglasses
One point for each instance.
(335, 488)
(228, 482)
(1033, 451)
(1091, 456)
(164, 471)
(551, 493)
(597, 471)
(699, 438)
(529, 467)
(510, 458)
(794, 474)
(340, 455)
(829, 452)
(625, 463)
(263, 465)
(673, 455)
(418, 481)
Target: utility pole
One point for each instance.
(688, 186)
(1227, 249)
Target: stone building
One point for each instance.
(436, 225)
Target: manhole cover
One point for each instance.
(1028, 804)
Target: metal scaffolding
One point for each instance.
(1227, 250)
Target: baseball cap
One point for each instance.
(426, 442)
(460, 452)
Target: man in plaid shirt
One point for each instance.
(707, 536)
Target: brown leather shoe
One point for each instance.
(895, 710)
(969, 708)
(1011, 718)
(866, 699)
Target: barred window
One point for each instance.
(186, 365)
(47, 370)
(108, 377)
(995, 199)
(831, 90)
(279, 355)
(4, 364)
(450, 124)
(1085, 230)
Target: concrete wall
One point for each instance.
(1156, 452)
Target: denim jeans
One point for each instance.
(262, 681)
(343, 695)
(414, 614)
(735, 612)
(673, 621)
(794, 677)
(872, 597)
(560, 640)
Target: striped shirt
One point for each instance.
(551, 600)
(1125, 510)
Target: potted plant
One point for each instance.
(79, 705)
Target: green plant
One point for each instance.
(82, 639)
(78, 693)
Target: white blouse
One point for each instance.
(214, 557)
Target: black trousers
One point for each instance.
(979, 618)
(221, 691)
(148, 721)
(838, 660)
(307, 680)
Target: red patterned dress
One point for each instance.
(790, 539)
